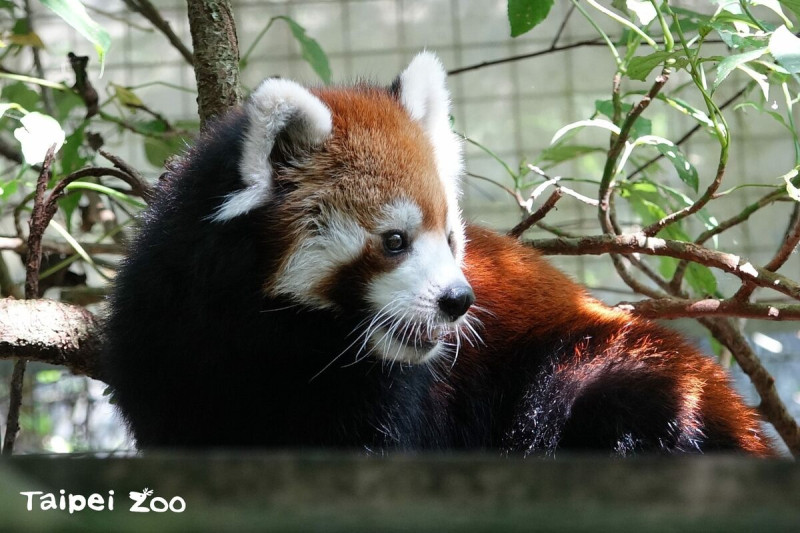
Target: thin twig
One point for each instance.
(477, 66)
(689, 210)
(563, 26)
(606, 183)
(742, 216)
(38, 222)
(149, 11)
(686, 136)
(47, 95)
(537, 215)
(138, 184)
(790, 242)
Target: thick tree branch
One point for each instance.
(216, 56)
(672, 308)
(639, 243)
(51, 332)
(772, 408)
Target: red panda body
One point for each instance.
(586, 376)
(304, 279)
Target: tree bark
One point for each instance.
(51, 332)
(216, 56)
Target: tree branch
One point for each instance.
(149, 11)
(537, 215)
(551, 49)
(639, 243)
(772, 408)
(216, 57)
(672, 308)
(609, 170)
(51, 332)
(33, 260)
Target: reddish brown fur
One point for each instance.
(376, 151)
(530, 299)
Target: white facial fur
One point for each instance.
(424, 94)
(276, 105)
(408, 294)
(336, 240)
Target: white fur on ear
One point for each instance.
(424, 94)
(274, 106)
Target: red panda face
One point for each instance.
(363, 184)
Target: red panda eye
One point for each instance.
(395, 241)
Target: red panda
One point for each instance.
(304, 279)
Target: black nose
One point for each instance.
(455, 300)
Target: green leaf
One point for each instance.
(686, 171)
(65, 102)
(687, 108)
(774, 114)
(727, 65)
(735, 39)
(48, 376)
(646, 205)
(559, 153)
(28, 39)
(793, 6)
(21, 94)
(667, 266)
(74, 14)
(71, 159)
(775, 6)
(599, 123)
(108, 191)
(8, 188)
(69, 203)
(158, 150)
(688, 20)
(524, 15)
(311, 50)
(701, 279)
(641, 66)
(125, 96)
(785, 48)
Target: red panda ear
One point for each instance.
(422, 91)
(277, 109)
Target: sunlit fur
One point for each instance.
(260, 305)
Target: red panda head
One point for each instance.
(362, 185)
